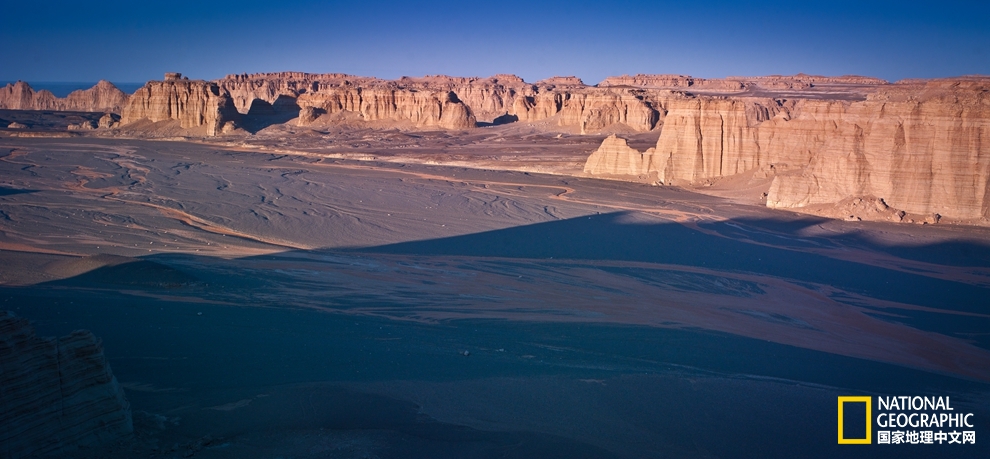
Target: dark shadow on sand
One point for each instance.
(504, 119)
(227, 348)
(770, 247)
(5, 191)
(607, 237)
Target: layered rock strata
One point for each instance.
(57, 394)
(919, 149)
(421, 108)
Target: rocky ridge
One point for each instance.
(103, 97)
(445, 102)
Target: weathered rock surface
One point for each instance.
(422, 109)
(193, 103)
(592, 112)
(55, 394)
(103, 97)
(923, 154)
(919, 149)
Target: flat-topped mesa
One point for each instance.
(193, 103)
(681, 82)
(102, 97)
(964, 90)
(507, 78)
(801, 80)
(561, 81)
(922, 154)
(642, 80)
(58, 395)
(299, 76)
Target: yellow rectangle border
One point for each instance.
(869, 424)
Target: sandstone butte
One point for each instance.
(914, 146)
(193, 103)
(58, 394)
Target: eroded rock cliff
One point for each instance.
(445, 102)
(193, 103)
(593, 111)
(57, 394)
(922, 154)
(919, 149)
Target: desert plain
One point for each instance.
(323, 281)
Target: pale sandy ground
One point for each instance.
(600, 318)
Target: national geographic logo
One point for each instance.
(903, 420)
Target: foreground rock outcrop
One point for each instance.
(56, 395)
(919, 148)
(193, 103)
(103, 97)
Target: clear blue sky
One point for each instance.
(122, 41)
